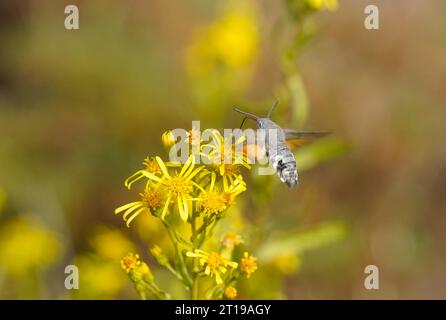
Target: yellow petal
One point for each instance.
(189, 170)
(128, 205)
(166, 205)
(124, 216)
(183, 213)
(212, 182)
(134, 216)
(153, 177)
(193, 174)
(186, 166)
(162, 166)
(207, 271)
(133, 178)
(218, 278)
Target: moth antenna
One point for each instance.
(276, 103)
(246, 114)
(244, 119)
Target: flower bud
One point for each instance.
(141, 273)
(159, 255)
(168, 139)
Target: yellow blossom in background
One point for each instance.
(287, 263)
(231, 240)
(235, 37)
(110, 244)
(215, 263)
(25, 247)
(231, 41)
(323, 4)
(99, 279)
(248, 264)
(230, 292)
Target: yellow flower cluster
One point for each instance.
(199, 194)
(213, 187)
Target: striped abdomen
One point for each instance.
(280, 156)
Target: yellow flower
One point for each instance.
(212, 201)
(215, 263)
(248, 264)
(178, 186)
(231, 240)
(230, 292)
(137, 269)
(130, 262)
(226, 158)
(151, 200)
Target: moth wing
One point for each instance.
(295, 138)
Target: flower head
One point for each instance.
(130, 262)
(151, 200)
(230, 292)
(137, 269)
(212, 201)
(178, 186)
(248, 264)
(215, 263)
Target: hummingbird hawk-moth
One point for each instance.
(277, 147)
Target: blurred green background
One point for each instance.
(80, 109)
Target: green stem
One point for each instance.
(180, 260)
(195, 290)
(174, 272)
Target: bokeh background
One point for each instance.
(80, 109)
